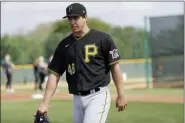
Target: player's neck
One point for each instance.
(84, 31)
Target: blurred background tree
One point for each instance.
(43, 40)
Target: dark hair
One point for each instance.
(83, 16)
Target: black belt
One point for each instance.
(85, 93)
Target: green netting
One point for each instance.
(166, 42)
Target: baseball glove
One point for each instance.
(41, 118)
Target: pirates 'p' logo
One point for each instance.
(69, 8)
(114, 53)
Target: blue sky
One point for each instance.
(23, 16)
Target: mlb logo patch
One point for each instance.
(114, 53)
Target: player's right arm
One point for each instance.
(50, 90)
(57, 68)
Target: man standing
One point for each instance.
(87, 55)
(8, 67)
(36, 73)
(42, 70)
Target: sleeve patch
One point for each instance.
(114, 53)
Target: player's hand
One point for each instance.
(121, 103)
(43, 107)
(41, 118)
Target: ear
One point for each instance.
(86, 18)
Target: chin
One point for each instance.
(76, 30)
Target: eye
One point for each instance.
(76, 17)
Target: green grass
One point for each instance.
(61, 112)
(153, 91)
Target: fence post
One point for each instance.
(146, 53)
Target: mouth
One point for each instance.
(74, 27)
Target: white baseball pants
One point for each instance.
(92, 108)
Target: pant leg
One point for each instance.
(41, 81)
(36, 77)
(9, 80)
(98, 107)
(78, 110)
(37, 80)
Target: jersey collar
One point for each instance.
(83, 35)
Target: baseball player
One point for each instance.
(88, 56)
(36, 73)
(8, 67)
(42, 70)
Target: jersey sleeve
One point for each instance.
(57, 65)
(111, 52)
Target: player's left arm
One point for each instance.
(117, 78)
(113, 57)
(119, 84)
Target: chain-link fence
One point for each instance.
(166, 42)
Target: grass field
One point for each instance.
(61, 112)
(22, 111)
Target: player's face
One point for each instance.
(77, 23)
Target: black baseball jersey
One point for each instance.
(86, 60)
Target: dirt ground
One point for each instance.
(59, 95)
(140, 98)
(169, 85)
